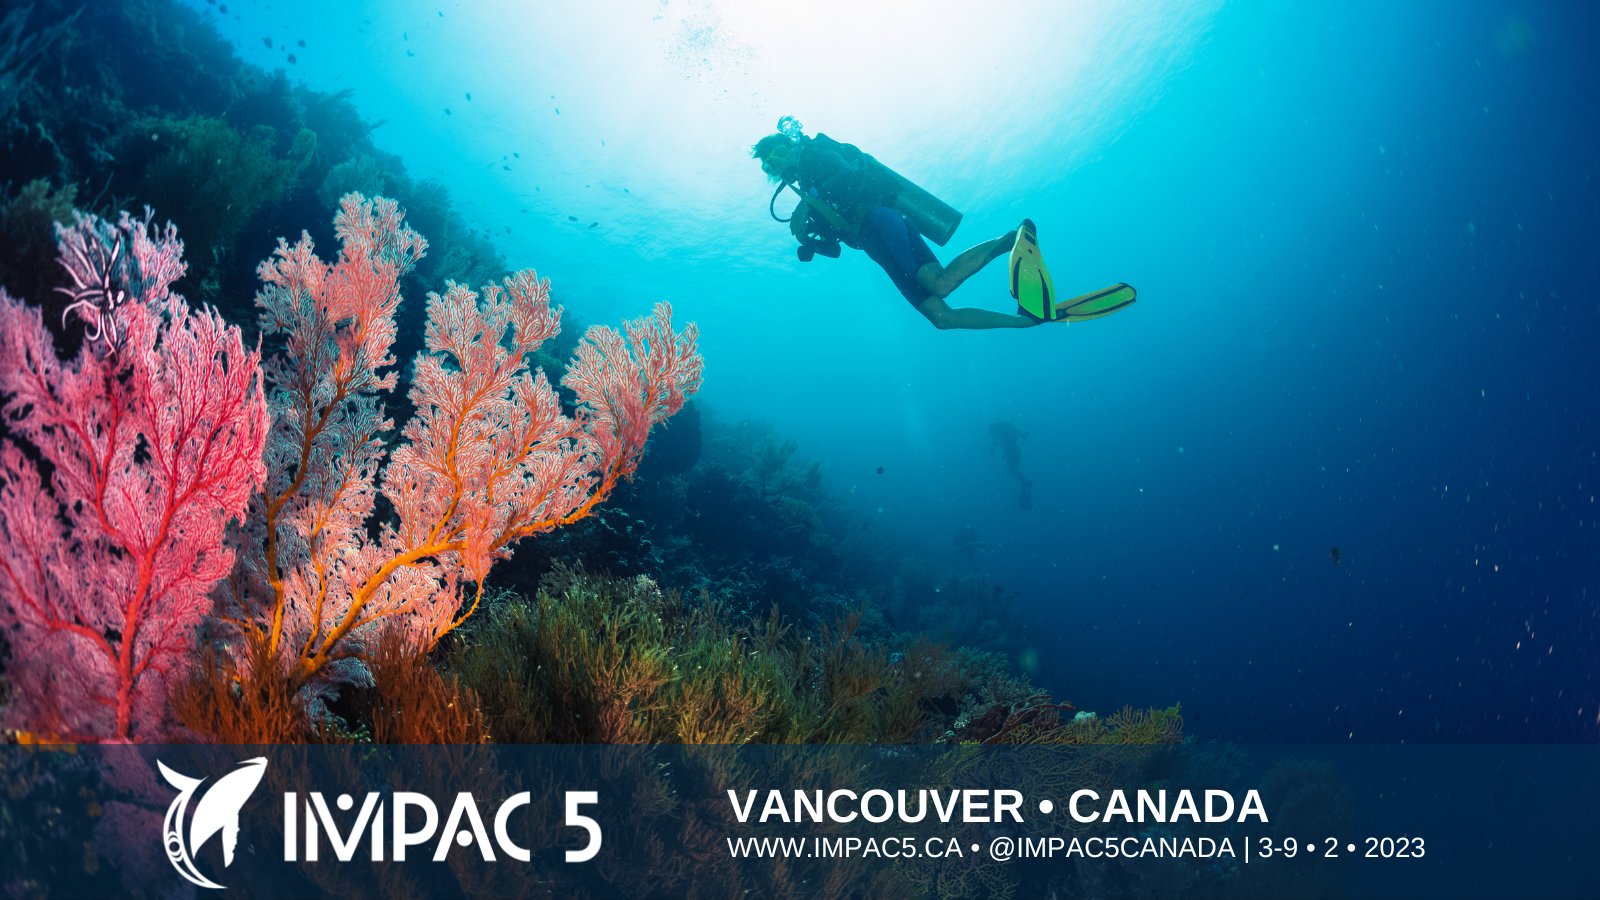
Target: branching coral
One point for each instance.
(488, 459)
(1031, 721)
(151, 447)
(599, 659)
(241, 699)
(595, 659)
(412, 702)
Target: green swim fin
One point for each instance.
(1035, 293)
(1095, 304)
(1030, 280)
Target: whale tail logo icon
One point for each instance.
(217, 811)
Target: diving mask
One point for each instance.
(776, 159)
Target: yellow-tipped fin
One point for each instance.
(1095, 304)
(1030, 280)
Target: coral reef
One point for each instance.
(243, 697)
(144, 103)
(214, 179)
(360, 577)
(413, 702)
(28, 232)
(125, 466)
(22, 48)
(804, 622)
(487, 459)
(597, 659)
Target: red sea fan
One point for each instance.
(138, 454)
(488, 458)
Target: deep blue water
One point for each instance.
(1364, 236)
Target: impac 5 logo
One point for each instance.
(218, 810)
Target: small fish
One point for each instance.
(508, 229)
(410, 53)
(301, 42)
(1333, 554)
(448, 112)
(516, 154)
(572, 218)
(507, 168)
(268, 42)
(880, 470)
(469, 96)
(223, 9)
(558, 110)
(594, 224)
(291, 59)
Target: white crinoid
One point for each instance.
(93, 261)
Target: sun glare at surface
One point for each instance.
(640, 112)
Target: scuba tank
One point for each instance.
(934, 218)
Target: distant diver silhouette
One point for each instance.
(967, 544)
(1008, 439)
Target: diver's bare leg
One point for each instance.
(940, 281)
(943, 316)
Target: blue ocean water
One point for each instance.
(1364, 236)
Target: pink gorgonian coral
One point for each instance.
(123, 468)
(488, 457)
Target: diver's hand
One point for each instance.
(799, 223)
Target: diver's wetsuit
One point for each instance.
(884, 233)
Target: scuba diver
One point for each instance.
(849, 198)
(1007, 438)
(967, 544)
